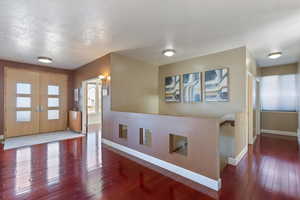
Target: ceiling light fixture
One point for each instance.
(274, 55)
(169, 52)
(45, 60)
(101, 77)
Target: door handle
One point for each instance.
(39, 108)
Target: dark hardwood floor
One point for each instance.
(83, 169)
(271, 170)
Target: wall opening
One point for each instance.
(123, 131)
(145, 136)
(178, 144)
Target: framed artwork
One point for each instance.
(191, 92)
(172, 89)
(216, 85)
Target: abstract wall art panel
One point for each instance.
(191, 91)
(172, 89)
(216, 85)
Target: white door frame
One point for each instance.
(250, 77)
(84, 103)
(258, 106)
(84, 106)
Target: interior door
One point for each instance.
(21, 102)
(53, 102)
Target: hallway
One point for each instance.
(271, 170)
(83, 169)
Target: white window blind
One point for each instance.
(278, 93)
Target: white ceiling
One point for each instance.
(75, 32)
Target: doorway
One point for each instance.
(35, 102)
(253, 108)
(92, 105)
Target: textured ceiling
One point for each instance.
(75, 32)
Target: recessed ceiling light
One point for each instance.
(169, 52)
(275, 55)
(45, 60)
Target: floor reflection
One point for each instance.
(94, 156)
(74, 169)
(93, 163)
(23, 171)
(53, 163)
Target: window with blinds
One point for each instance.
(278, 93)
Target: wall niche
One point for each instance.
(145, 136)
(178, 144)
(123, 131)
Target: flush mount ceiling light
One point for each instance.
(46, 60)
(169, 52)
(101, 77)
(274, 55)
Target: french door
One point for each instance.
(35, 102)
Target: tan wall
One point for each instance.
(134, 85)
(240, 132)
(233, 59)
(281, 121)
(251, 64)
(279, 69)
(253, 104)
(202, 133)
(91, 70)
(250, 110)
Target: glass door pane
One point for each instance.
(53, 114)
(23, 102)
(23, 88)
(53, 90)
(53, 102)
(23, 116)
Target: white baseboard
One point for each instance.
(235, 161)
(94, 123)
(1, 137)
(198, 178)
(251, 141)
(298, 134)
(277, 132)
(254, 139)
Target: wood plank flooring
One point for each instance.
(84, 169)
